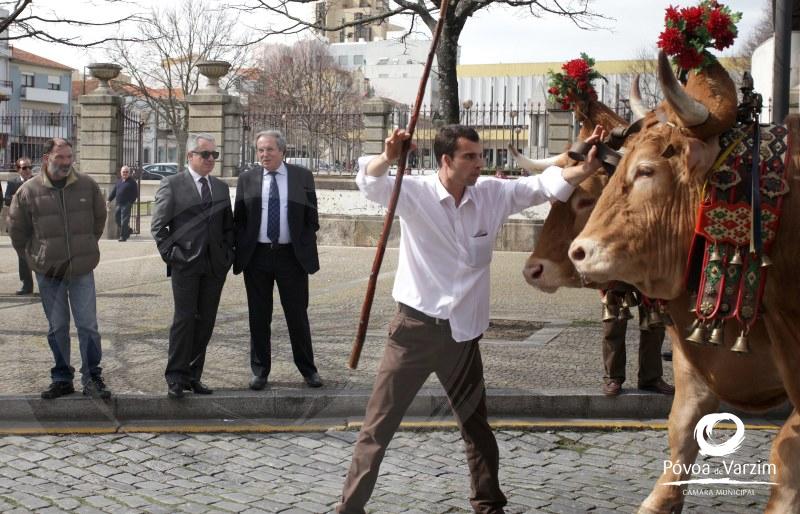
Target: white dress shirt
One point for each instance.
(283, 193)
(196, 177)
(445, 251)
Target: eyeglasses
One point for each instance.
(24, 167)
(205, 154)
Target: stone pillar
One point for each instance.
(377, 123)
(219, 114)
(100, 135)
(560, 130)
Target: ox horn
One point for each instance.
(536, 165)
(637, 106)
(690, 111)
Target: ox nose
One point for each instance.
(582, 249)
(533, 272)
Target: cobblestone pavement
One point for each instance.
(424, 472)
(134, 305)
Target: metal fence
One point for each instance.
(131, 156)
(524, 126)
(25, 135)
(323, 142)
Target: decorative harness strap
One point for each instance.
(737, 223)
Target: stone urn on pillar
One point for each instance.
(213, 71)
(104, 71)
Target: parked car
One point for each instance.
(159, 170)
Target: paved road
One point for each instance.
(425, 472)
(135, 311)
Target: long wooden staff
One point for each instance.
(358, 344)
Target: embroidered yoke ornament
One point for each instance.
(736, 227)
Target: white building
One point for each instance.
(393, 68)
(761, 69)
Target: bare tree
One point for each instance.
(762, 30)
(304, 81)
(163, 68)
(27, 20)
(458, 13)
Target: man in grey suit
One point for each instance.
(193, 228)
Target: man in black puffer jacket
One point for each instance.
(56, 220)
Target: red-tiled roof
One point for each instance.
(20, 55)
(122, 88)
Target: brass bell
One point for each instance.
(609, 312)
(624, 313)
(766, 262)
(654, 319)
(668, 321)
(717, 333)
(715, 256)
(644, 326)
(698, 335)
(736, 260)
(740, 345)
(629, 300)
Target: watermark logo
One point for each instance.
(729, 472)
(704, 431)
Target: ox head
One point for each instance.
(549, 267)
(642, 225)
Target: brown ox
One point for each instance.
(640, 232)
(549, 267)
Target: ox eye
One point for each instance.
(585, 203)
(644, 171)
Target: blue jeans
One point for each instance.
(59, 296)
(123, 218)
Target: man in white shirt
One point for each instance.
(448, 226)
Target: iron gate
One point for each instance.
(131, 155)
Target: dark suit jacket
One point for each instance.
(185, 233)
(301, 212)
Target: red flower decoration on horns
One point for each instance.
(574, 83)
(690, 31)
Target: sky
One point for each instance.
(494, 35)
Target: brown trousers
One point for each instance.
(418, 346)
(650, 341)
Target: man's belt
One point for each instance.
(420, 316)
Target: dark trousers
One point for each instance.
(268, 266)
(122, 216)
(650, 341)
(196, 297)
(416, 348)
(25, 275)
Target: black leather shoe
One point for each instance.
(96, 388)
(57, 390)
(198, 387)
(174, 390)
(24, 291)
(313, 380)
(258, 383)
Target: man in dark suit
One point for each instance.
(24, 169)
(193, 228)
(276, 223)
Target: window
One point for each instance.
(53, 82)
(27, 80)
(342, 60)
(358, 59)
(53, 87)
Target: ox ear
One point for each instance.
(698, 157)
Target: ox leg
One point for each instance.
(693, 400)
(783, 330)
(785, 454)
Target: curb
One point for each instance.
(315, 409)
